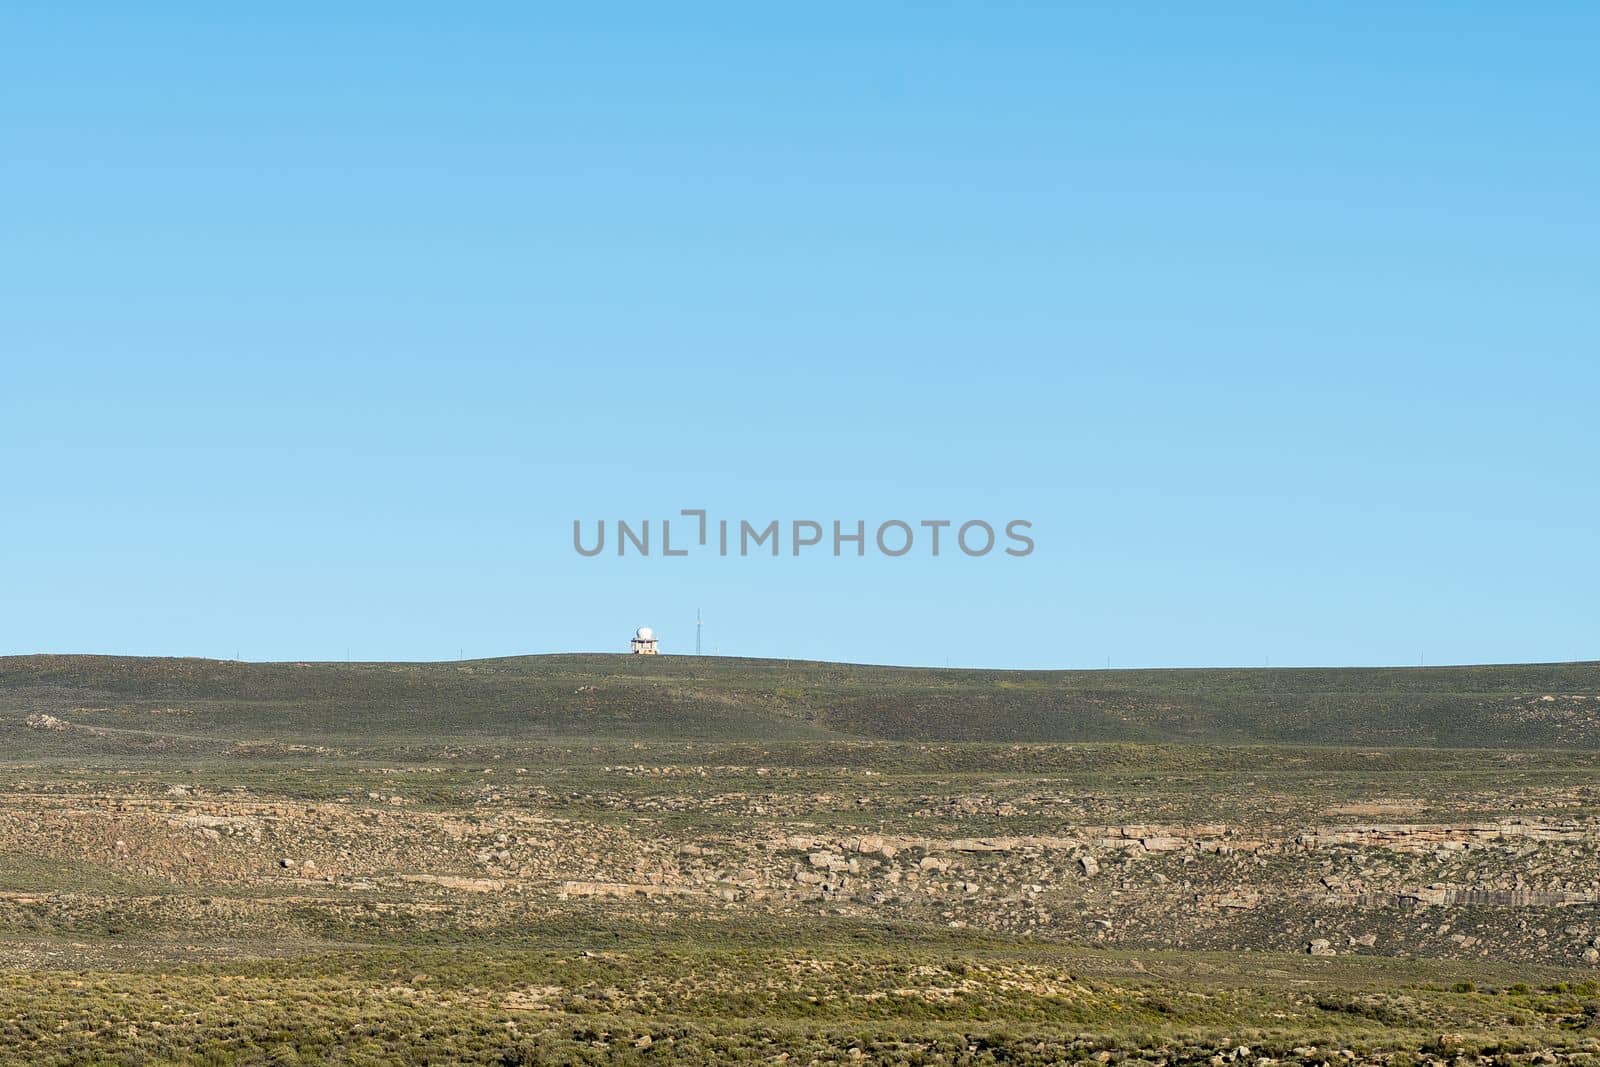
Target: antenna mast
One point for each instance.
(697, 631)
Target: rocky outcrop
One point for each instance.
(623, 890)
(1416, 836)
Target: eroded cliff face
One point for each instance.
(452, 848)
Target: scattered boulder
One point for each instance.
(43, 721)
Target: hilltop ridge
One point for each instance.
(617, 696)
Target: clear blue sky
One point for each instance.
(321, 323)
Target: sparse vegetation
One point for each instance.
(592, 859)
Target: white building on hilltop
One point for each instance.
(644, 642)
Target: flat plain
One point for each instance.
(685, 859)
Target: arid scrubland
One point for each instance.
(216, 863)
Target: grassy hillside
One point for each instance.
(110, 700)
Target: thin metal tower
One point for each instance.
(697, 631)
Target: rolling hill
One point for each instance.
(100, 701)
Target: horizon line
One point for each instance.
(791, 660)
